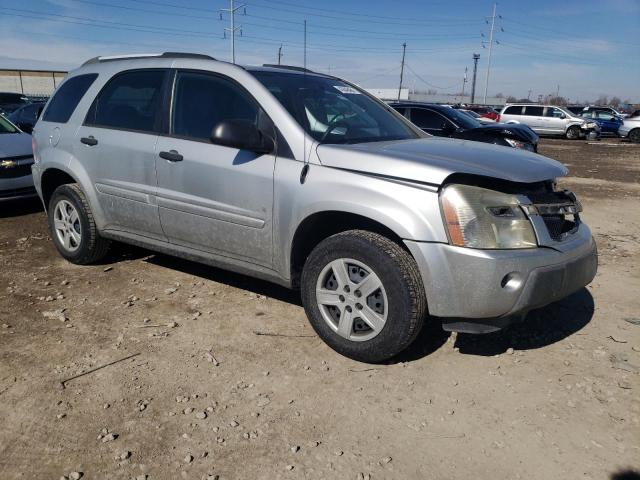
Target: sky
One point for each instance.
(581, 48)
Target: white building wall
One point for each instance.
(30, 82)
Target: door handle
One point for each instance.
(171, 155)
(89, 141)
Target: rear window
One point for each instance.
(66, 99)
(514, 110)
(533, 111)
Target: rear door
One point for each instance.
(214, 198)
(116, 144)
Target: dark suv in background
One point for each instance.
(11, 101)
(443, 121)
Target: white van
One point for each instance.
(548, 120)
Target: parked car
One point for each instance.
(26, 116)
(308, 181)
(16, 158)
(608, 122)
(445, 121)
(630, 129)
(635, 113)
(611, 110)
(549, 120)
(486, 112)
(10, 101)
(476, 116)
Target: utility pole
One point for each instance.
(279, 54)
(529, 94)
(305, 43)
(557, 93)
(476, 57)
(404, 49)
(464, 82)
(493, 22)
(232, 13)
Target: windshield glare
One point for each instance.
(332, 111)
(6, 126)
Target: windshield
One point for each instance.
(6, 126)
(332, 111)
(462, 119)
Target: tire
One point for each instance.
(392, 315)
(73, 228)
(573, 132)
(634, 135)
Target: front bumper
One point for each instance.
(464, 283)
(15, 188)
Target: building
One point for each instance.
(38, 83)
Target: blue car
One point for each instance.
(609, 123)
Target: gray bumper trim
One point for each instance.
(484, 284)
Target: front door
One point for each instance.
(214, 198)
(554, 120)
(117, 144)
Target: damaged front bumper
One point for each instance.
(480, 291)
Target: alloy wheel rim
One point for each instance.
(352, 299)
(66, 223)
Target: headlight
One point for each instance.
(480, 218)
(518, 144)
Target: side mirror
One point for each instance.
(563, 116)
(25, 127)
(243, 135)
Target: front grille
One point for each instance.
(559, 211)
(16, 166)
(558, 226)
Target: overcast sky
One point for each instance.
(588, 48)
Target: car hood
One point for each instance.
(512, 130)
(15, 145)
(432, 160)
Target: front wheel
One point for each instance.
(363, 295)
(634, 135)
(573, 132)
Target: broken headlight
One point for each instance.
(481, 218)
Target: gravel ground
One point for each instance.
(150, 367)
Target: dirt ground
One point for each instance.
(194, 385)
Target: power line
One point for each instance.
(428, 83)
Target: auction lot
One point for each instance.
(206, 372)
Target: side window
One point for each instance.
(130, 101)
(587, 114)
(533, 111)
(424, 118)
(554, 112)
(202, 101)
(513, 110)
(605, 116)
(67, 97)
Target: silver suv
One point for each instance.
(306, 180)
(549, 120)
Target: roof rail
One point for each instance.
(288, 67)
(148, 55)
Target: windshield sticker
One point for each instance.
(346, 89)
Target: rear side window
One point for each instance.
(66, 99)
(201, 101)
(424, 118)
(129, 101)
(533, 111)
(513, 110)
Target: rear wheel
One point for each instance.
(363, 295)
(634, 135)
(573, 132)
(73, 228)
